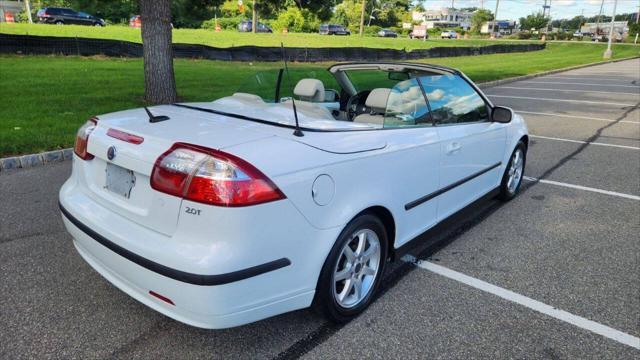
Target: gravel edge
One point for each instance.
(48, 157)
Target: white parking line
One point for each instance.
(608, 79)
(571, 90)
(578, 83)
(575, 117)
(585, 142)
(585, 188)
(532, 304)
(562, 100)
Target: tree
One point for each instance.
(159, 79)
(534, 21)
(480, 17)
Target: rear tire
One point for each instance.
(353, 270)
(514, 172)
(59, 22)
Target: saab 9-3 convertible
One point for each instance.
(289, 193)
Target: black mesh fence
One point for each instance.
(46, 45)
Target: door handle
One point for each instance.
(453, 148)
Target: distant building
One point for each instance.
(621, 27)
(13, 7)
(443, 18)
(504, 27)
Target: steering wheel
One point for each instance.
(356, 104)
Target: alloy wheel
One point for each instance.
(515, 171)
(357, 268)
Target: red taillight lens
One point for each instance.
(125, 136)
(211, 177)
(82, 139)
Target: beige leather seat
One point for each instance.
(311, 90)
(377, 101)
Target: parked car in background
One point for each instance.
(387, 33)
(246, 26)
(419, 32)
(62, 16)
(333, 29)
(577, 35)
(449, 34)
(217, 214)
(135, 21)
(617, 37)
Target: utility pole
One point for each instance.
(607, 54)
(28, 6)
(549, 15)
(482, 4)
(364, 4)
(495, 18)
(452, 1)
(598, 21)
(254, 22)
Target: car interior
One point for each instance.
(376, 95)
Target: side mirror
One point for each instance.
(331, 95)
(501, 114)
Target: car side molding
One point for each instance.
(443, 190)
(190, 278)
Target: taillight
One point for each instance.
(125, 136)
(82, 139)
(211, 177)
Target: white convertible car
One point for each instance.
(280, 197)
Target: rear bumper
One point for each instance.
(182, 276)
(230, 268)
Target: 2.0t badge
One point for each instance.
(111, 152)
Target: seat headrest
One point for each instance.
(310, 90)
(377, 99)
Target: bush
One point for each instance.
(23, 17)
(290, 19)
(296, 20)
(434, 32)
(311, 21)
(225, 23)
(523, 35)
(372, 30)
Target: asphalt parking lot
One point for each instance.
(553, 274)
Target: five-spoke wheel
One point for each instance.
(357, 268)
(512, 177)
(352, 272)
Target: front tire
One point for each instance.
(353, 270)
(512, 178)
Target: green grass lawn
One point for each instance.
(234, 38)
(46, 98)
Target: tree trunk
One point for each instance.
(364, 4)
(254, 21)
(159, 79)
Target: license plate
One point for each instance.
(120, 180)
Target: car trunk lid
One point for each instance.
(118, 177)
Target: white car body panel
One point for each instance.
(328, 178)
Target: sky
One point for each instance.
(560, 9)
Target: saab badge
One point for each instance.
(111, 152)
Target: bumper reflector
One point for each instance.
(163, 298)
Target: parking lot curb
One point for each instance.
(33, 160)
(48, 157)
(490, 84)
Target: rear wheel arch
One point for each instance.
(388, 221)
(525, 141)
